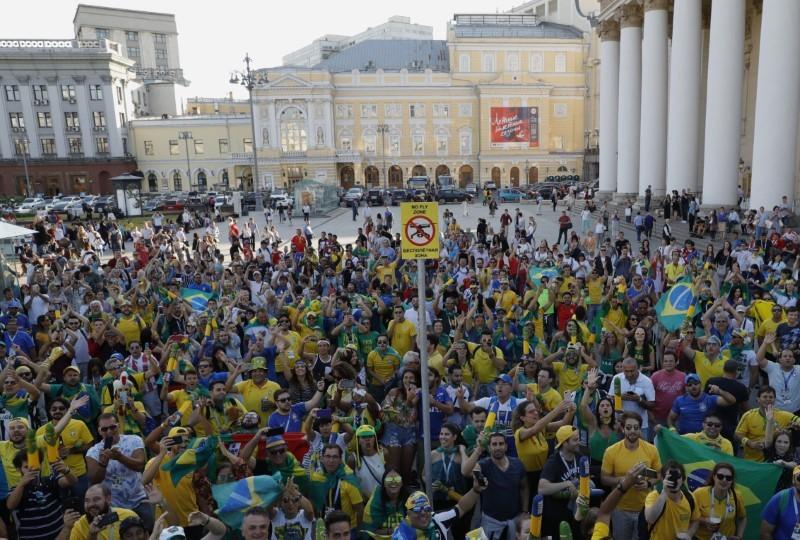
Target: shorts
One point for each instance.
(395, 436)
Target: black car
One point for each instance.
(420, 195)
(380, 197)
(399, 195)
(452, 195)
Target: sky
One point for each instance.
(213, 40)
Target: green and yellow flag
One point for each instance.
(197, 299)
(756, 481)
(201, 453)
(238, 497)
(676, 305)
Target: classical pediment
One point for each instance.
(290, 81)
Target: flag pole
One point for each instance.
(422, 337)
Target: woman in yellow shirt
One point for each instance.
(720, 505)
(529, 426)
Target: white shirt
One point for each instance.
(643, 386)
(786, 385)
(299, 527)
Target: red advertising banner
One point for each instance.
(518, 126)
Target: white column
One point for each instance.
(777, 104)
(57, 113)
(6, 143)
(653, 137)
(724, 103)
(85, 116)
(683, 133)
(609, 96)
(630, 99)
(113, 128)
(31, 125)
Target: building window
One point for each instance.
(224, 146)
(148, 148)
(48, 146)
(344, 111)
(463, 63)
(441, 142)
(560, 110)
(370, 143)
(561, 63)
(161, 56)
(394, 144)
(177, 181)
(101, 33)
(345, 143)
(198, 146)
(540, 10)
(418, 141)
(552, 7)
(119, 94)
(17, 120)
(512, 62)
(21, 147)
(101, 145)
(99, 119)
(134, 52)
(44, 120)
(122, 119)
(12, 92)
(95, 92)
(160, 38)
(75, 145)
(293, 130)
(441, 110)
(537, 62)
(125, 146)
(488, 63)
(152, 182)
(202, 181)
(369, 110)
(466, 143)
(174, 149)
(392, 110)
(416, 110)
(67, 91)
(247, 144)
(40, 92)
(465, 110)
(71, 120)
(131, 36)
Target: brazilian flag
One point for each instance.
(238, 497)
(322, 484)
(201, 452)
(197, 299)
(676, 305)
(756, 481)
(536, 273)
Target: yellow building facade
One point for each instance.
(501, 99)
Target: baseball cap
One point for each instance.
(178, 431)
(258, 362)
(692, 377)
(23, 369)
(564, 433)
(275, 440)
(418, 502)
(741, 308)
(72, 368)
(172, 533)
(505, 378)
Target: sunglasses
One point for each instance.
(108, 428)
(393, 481)
(277, 451)
(426, 508)
(282, 400)
(725, 477)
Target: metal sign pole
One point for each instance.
(422, 337)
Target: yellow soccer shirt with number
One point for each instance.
(252, 394)
(403, 336)
(80, 531)
(753, 426)
(618, 460)
(383, 366)
(76, 434)
(677, 517)
(729, 509)
(569, 378)
(720, 443)
(532, 452)
(483, 368)
(707, 369)
(181, 497)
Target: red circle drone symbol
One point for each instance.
(420, 230)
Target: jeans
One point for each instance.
(146, 514)
(625, 525)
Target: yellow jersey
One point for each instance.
(181, 498)
(484, 369)
(753, 426)
(729, 509)
(80, 531)
(252, 395)
(676, 517)
(569, 379)
(706, 368)
(403, 336)
(75, 435)
(720, 443)
(618, 460)
(532, 452)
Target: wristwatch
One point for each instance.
(619, 486)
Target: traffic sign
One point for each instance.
(420, 225)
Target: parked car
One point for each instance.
(63, 202)
(420, 195)
(101, 204)
(171, 205)
(222, 200)
(399, 195)
(29, 206)
(283, 202)
(510, 195)
(446, 195)
(472, 189)
(379, 197)
(354, 194)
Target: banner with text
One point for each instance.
(515, 126)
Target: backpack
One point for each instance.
(645, 528)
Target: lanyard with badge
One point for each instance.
(786, 380)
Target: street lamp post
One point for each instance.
(24, 143)
(249, 79)
(186, 136)
(383, 129)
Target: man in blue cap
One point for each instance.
(13, 313)
(502, 405)
(689, 410)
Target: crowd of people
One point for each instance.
(137, 382)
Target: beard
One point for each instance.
(98, 510)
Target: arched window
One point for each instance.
(177, 181)
(225, 179)
(152, 182)
(293, 130)
(202, 182)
